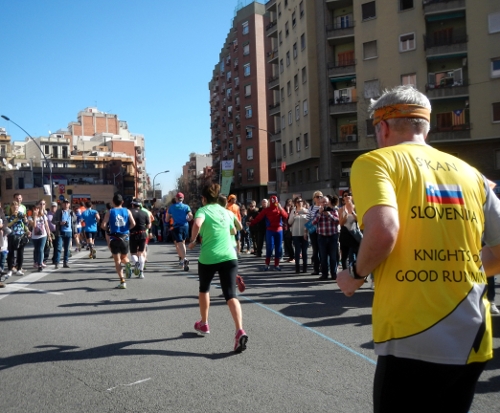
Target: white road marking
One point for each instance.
(23, 283)
(130, 384)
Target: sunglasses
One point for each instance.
(299, 200)
(347, 194)
(318, 196)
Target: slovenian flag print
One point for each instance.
(444, 194)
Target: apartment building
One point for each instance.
(302, 157)
(330, 57)
(239, 98)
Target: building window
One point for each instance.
(294, 20)
(249, 133)
(250, 174)
(302, 41)
(405, 4)
(370, 129)
(284, 150)
(246, 49)
(296, 82)
(295, 50)
(290, 147)
(249, 154)
(305, 106)
(282, 94)
(279, 10)
(280, 37)
(288, 58)
(370, 50)
(246, 70)
(46, 149)
(229, 93)
(304, 75)
(283, 123)
(372, 89)
(287, 32)
(306, 140)
(407, 42)
(410, 79)
(345, 169)
(228, 77)
(290, 120)
(8, 183)
(495, 67)
(288, 88)
(368, 10)
(282, 66)
(496, 111)
(301, 9)
(297, 144)
(297, 112)
(248, 112)
(494, 22)
(244, 28)
(20, 182)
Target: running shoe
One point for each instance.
(277, 268)
(121, 286)
(65, 265)
(202, 328)
(137, 268)
(494, 309)
(43, 265)
(2, 285)
(181, 262)
(20, 272)
(240, 283)
(128, 270)
(240, 341)
(141, 275)
(8, 275)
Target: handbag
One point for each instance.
(311, 228)
(355, 231)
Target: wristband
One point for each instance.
(353, 273)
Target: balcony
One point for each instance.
(441, 44)
(273, 56)
(271, 5)
(342, 68)
(447, 90)
(442, 6)
(274, 109)
(345, 146)
(452, 133)
(343, 105)
(275, 137)
(273, 82)
(272, 29)
(340, 33)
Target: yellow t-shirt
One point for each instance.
(429, 299)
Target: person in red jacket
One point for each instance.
(274, 215)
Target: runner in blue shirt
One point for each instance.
(91, 218)
(181, 214)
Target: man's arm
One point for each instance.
(104, 222)
(491, 260)
(381, 228)
(131, 220)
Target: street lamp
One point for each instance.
(164, 172)
(43, 154)
(275, 154)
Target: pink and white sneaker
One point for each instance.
(240, 341)
(202, 328)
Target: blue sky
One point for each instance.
(147, 61)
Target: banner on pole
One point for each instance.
(227, 176)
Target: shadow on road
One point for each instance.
(71, 353)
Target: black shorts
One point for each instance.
(227, 275)
(119, 244)
(138, 241)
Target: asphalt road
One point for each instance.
(73, 343)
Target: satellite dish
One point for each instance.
(9, 166)
(4, 161)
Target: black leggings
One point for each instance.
(227, 274)
(405, 385)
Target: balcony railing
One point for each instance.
(433, 6)
(342, 67)
(455, 132)
(337, 31)
(273, 82)
(447, 89)
(272, 28)
(274, 109)
(441, 42)
(342, 104)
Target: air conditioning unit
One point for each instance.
(351, 138)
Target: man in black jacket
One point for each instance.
(65, 221)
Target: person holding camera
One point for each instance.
(297, 221)
(17, 239)
(39, 236)
(327, 224)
